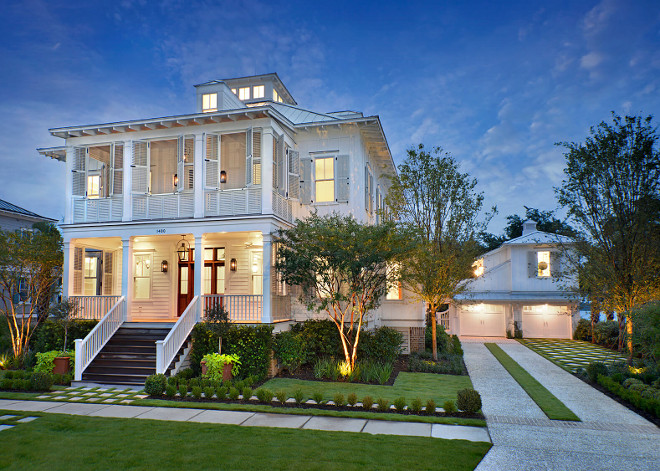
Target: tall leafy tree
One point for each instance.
(439, 205)
(30, 268)
(612, 193)
(341, 267)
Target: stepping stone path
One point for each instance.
(10, 421)
(572, 354)
(87, 394)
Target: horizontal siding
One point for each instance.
(162, 302)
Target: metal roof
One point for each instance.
(539, 237)
(7, 207)
(298, 115)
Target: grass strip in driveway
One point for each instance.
(64, 442)
(549, 404)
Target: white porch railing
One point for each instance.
(282, 207)
(241, 307)
(167, 349)
(90, 346)
(167, 206)
(233, 202)
(93, 307)
(444, 320)
(98, 209)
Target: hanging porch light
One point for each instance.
(183, 250)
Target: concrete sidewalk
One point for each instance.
(254, 419)
(609, 436)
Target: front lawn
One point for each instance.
(426, 386)
(68, 442)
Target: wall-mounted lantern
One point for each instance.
(223, 177)
(233, 265)
(175, 180)
(164, 266)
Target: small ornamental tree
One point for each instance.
(341, 267)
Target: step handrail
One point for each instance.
(90, 346)
(167, 348)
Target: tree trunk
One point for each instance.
(434, 330)
(629, 339)
(595, 317)
(622, 324)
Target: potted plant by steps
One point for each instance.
(64, 313)
(216, 366)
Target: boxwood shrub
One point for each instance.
(468, 401)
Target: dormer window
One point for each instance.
(244, 93)
(209, 102)
(259, 91)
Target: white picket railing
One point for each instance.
(165, 206)
(241, 307)
(282, 207)
(98, 209)
(167, 349)
(234, 202)
(90, 346)
(93, 307)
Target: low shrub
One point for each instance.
(246, 392)
(183, 389)
(264, 395)
(281, 396)
(448, 363)
(430, 406)
(320, 337)
(449, 407)
(170, 390)
(318, 397)
(171, 380)
(457, 349)
(383, 344)
(382, 404)
(193, 383)
(50, 334)
(367, 402)
(184, 384)
(234, 393)
(468, 401)
(209, 392)
(7, 383)
(186, 374)
(155, 385)
(299, 396)
(221, 392)
(416, 405)
(443, 340)
(289, 349)
(338, 399)
(606, 334)
(400, 403)
(594, 369)
(351, 399)
(582, 330)
(651, 406)
(631, 381)
(40, 381)
(197, 392)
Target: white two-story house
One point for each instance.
(519, 282)
(168, 216)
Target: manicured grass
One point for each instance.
(357, 414)
(549, 404)
(426, 386)
(571, 354)
(61, 442)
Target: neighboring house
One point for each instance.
(15, 218)
(168, 216)
(518, 282)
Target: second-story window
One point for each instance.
(244, 93)
(544, 264)
(325, 179)
(394, 291)
(93, 186)
(209, 102)
(259, 91)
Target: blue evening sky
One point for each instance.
(496, 84)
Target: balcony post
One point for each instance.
(66, 269)
(198, 175)
(199, 266)
(127, 213)
(266, 315)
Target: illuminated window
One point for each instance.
(233, 90)
(393, 285)
(142, 276)
(276, 96)
(258, 91)
(544, 264)
(325, 179)
(93, 186)
(478, 267)
(90, 274)
(209, 102)
(244, 93)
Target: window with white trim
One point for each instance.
(394, 290)
(209, 102)
(142, 270)
(244, 93)
(543, 264)
(258, 91)
(324, 179)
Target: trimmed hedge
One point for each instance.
(50, 334)
(650, 405)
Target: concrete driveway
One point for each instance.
(610, 436)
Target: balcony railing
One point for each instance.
(166, 206)
(234, 202)
(98, 209)
(241, 307)
(93, 307)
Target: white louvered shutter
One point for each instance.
(371, 193)
(118, 170)
(281, 166)
(107, 273)
(294, 173)
(306, 181)
(532, 264)
(555, 264)
(140, 173)
(79, 170)
(248, 158)
(378, 205)
(342, 178)
(77, 270)
(189, 163)
(366, 188)
(256, 156)
(211, 162)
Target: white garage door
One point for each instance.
(546, 322)
(482, 320)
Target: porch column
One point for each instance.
(66, 269)
(68, 186)
(267, 172)
(198, 175)
(266, 314)
(126, 271)
(199, 266)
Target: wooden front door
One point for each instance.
(186, 282)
